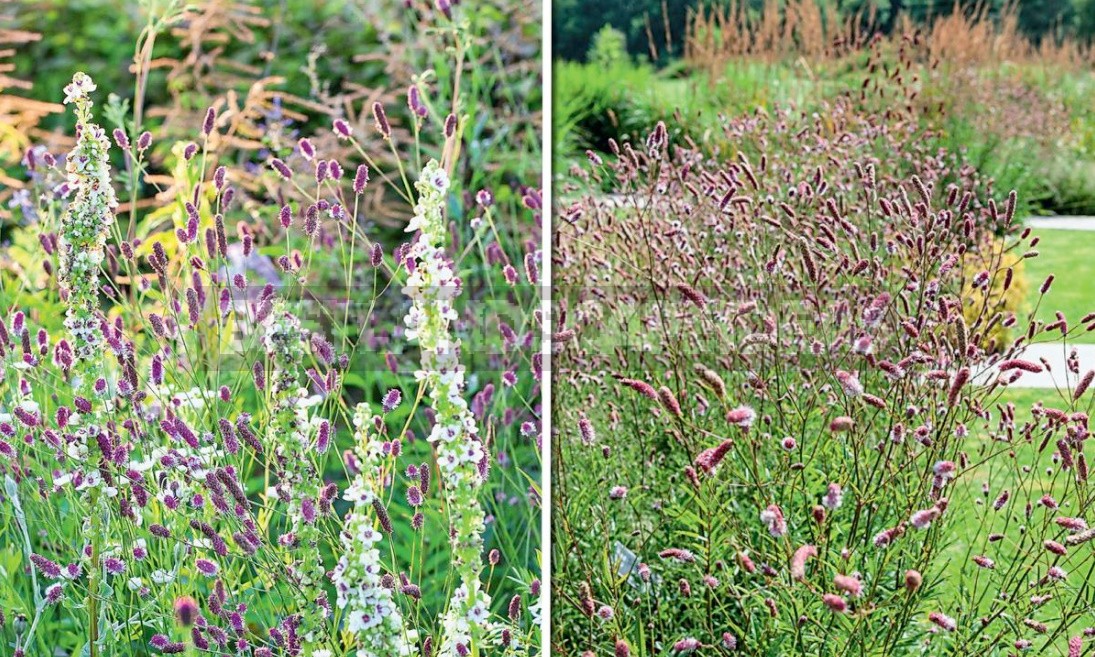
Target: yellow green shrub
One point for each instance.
(993, 304)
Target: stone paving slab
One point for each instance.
(1061, 223)
(1058, 375)
(1055, 353)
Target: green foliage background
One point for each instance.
(574, 26)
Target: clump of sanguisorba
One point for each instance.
(174, 459)
(818, 457)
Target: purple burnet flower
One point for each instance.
(208, 123)
(121, 139)
(322, 348)
(259, 375)
(306, 149)
(27, 418)
(424, 478)
(532, 270)
(114, 565)
(414, 496)
(382, 515)
(186, 611)
(414, 102)
(342, 129)
(677, 554)
(308, 510)
(283, 170)
(381, 118)
(392, 400)
(586, 431)
(361, 179)
(323, 437)
(45, 566)
(159, 641)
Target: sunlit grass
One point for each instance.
(1066, 255)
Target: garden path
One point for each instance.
(1062, 223)
(1055, 354)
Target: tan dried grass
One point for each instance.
(719, 34)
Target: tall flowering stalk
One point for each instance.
(372, 613)
(83, 235)
(432, 288)
(290, 432)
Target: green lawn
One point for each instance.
(1067, 255)
(1027, 475)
